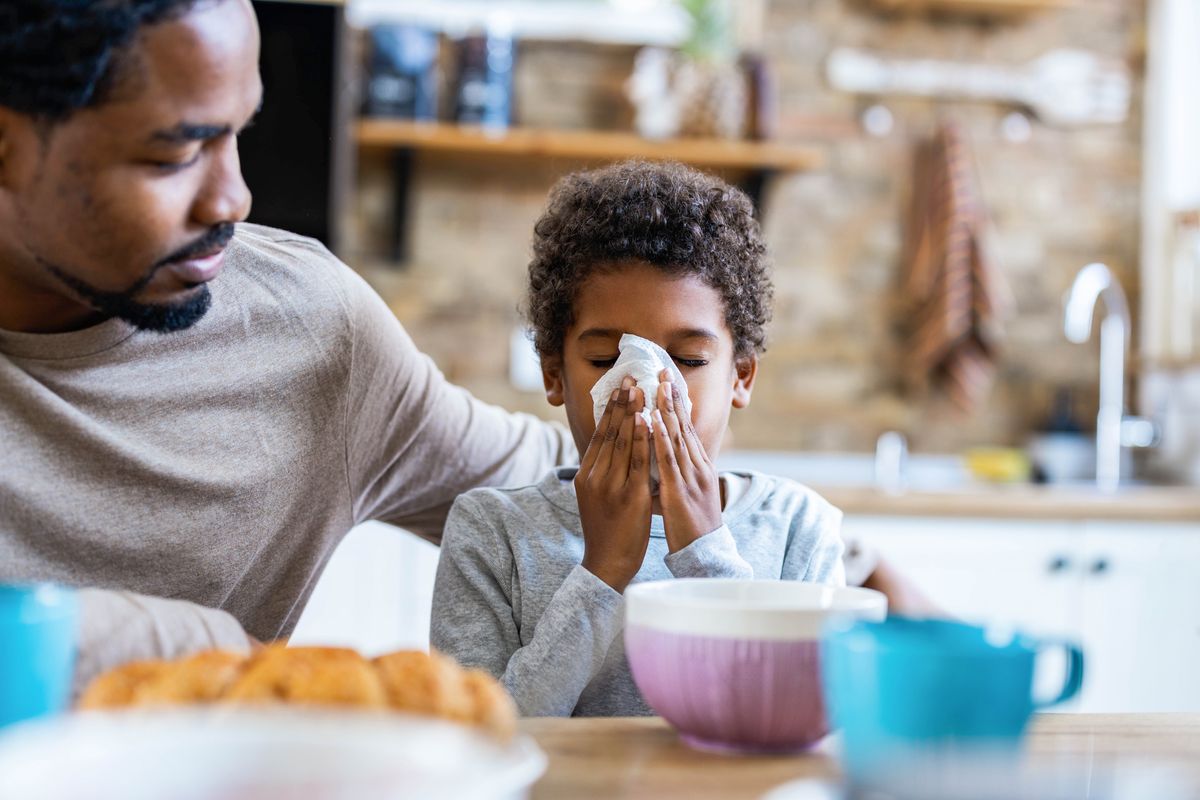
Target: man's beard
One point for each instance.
(157, 317)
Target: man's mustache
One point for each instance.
(216, 238)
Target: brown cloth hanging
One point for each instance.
(955, 296)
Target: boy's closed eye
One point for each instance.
(689, 363)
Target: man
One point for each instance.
(193, 414)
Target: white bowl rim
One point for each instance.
(671, 607)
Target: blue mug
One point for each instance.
(37, 650)
(906, 687)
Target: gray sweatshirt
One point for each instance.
(511, 596)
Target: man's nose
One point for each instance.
(224, 196)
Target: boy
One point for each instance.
(530, 580)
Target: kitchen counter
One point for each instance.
(643, 758)
(1140, 504)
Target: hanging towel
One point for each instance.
(955, 296)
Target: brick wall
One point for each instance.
(832, 378)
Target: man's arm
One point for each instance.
(414, 442)
(117, 627)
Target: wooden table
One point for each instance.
(643, 758)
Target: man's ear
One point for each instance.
(18, 143)
(552, 379)
(6, 146)
(745, 371)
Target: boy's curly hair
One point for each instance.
(665, 214)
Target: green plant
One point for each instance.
(711, 35)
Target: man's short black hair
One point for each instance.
(674, 218)
(60, 56)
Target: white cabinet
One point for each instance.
(1141, 623)
(1128, 592)
(1019, 573)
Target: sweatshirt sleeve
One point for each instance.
(815, 549)
(474, 620)
(414, 441)
(713, 555)
(117, 627)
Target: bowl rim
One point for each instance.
(661, 606)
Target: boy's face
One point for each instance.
(682, 315)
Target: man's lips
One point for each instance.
(199, 269)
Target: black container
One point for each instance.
(484, 89)
(402, 73)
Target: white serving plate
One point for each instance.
(228, 754)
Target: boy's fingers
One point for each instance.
(604, 452)
(593, 448)
(639, 456)
(691, 438)
(668, 465)
(622, 444)
(674, 431)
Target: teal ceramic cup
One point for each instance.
(904, 687)
(37, 650)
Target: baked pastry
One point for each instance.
(330, 676)
(117, 687)
(425, 683)
(201, 678)
(410, 681)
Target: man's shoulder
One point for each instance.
(283, 263)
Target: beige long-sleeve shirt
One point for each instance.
(218, 467)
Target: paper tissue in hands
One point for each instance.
(642, 360)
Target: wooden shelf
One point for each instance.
(989, 8)
(586, 146)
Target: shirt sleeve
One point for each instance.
(414, 441)
(814, 551)
(117, 627)
(474, 620)
(713, 555)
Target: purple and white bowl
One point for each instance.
(733, 664)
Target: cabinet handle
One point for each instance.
(1100, 566)
(1058, 564)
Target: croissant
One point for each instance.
(411, 681)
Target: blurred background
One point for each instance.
(932, 177)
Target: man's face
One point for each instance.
(682, 315)
(125, 209)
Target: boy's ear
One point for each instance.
(552, 379)
(745, 371)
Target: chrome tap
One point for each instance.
(1114, 429)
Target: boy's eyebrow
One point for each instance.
(695, 333)
(600, 333)
(685, 333)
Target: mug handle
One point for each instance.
(1074, 678)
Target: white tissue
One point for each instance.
(642, 360)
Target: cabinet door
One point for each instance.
(1017, 572)
(1141, 615)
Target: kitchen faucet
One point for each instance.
(1114, 430)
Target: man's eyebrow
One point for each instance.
(186, 132)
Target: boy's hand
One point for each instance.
(613, 489)
(689, 489)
